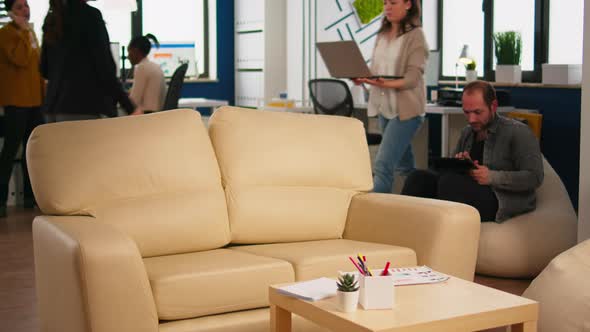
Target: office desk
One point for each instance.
(201, 102)
(449, 133)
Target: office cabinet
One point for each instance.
(260, 51)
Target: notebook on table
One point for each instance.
(312, 290)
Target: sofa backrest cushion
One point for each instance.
(289, 177)
(155, 177)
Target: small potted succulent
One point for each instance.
(348, 292)
(470, 72)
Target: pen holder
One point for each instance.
(377, 292)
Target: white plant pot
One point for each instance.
(470, 75)
(348, 301)
(508, 74)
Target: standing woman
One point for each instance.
(149, 85)
(400, 50)
(21, 93)
(76, 60)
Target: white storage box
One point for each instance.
(562, 74)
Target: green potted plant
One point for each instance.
(348, 292)
(470, 71)
(508, 49)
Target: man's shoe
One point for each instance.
(2, 211)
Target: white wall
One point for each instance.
(311, 21)
(583, 206)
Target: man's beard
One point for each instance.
(482, 131)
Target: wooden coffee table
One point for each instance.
(453, 305)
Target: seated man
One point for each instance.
(507, 158)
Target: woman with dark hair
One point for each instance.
(76, 60)
(401, 51)
(149, 86)
(21, 93)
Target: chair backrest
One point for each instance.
(330, 96)
(175, 87)
(533, 120)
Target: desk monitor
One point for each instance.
(344, 60)
(171, 55)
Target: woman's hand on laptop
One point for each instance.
(358, 81)
(384, 83)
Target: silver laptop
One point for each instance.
(344, 60)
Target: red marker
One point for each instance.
(385, 270)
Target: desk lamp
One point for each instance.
(463, 59)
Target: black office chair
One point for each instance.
(333, 97)
(330, 97)
(175, 87)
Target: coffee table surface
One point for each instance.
(453, 305)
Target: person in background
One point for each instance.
(400, 50)
(21, 94)
(149, 85)
(76, 60)
(506, 154)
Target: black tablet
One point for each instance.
(453, 164)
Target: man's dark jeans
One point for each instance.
(451, 186)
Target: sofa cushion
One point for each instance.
(325, 258)
(153, 176)
(212, 282)
(288, 177)
(257, 320)
(170, 223)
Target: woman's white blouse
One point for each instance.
(385, 56)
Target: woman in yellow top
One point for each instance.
(21, 93)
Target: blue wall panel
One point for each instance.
(224, 88)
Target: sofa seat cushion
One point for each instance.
(211, 282)
(314, 259)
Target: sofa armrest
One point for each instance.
(443, 234)
(90, 277)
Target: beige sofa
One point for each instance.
(153, 224)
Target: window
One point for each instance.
(188, 26)
(38, 12)
(511, 15)
(473, 23)
(430, 22)
(457, 15)
(3, 14)
(566, 24)
(118, 22)
(194, 21)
